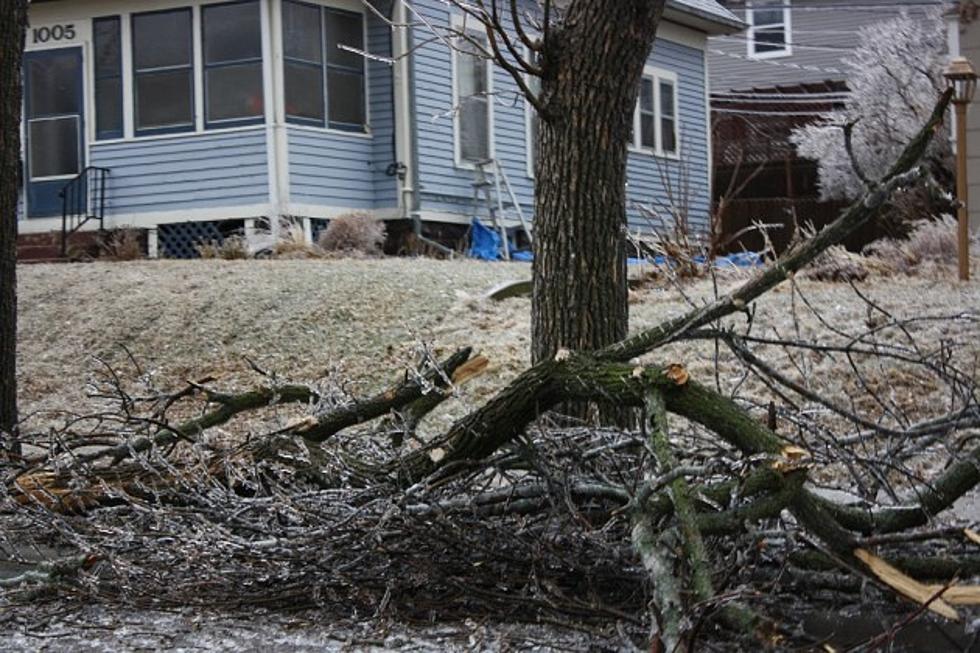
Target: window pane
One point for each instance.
(108, 56)
(232, 32)
(666, 99)
(163, 99)
(770, 40)
(162, 39)
(767, 17)
(304, 91)
(471, 74)
(54, 87)
(301, 32)
(474, 142)
(345, 95)
(669, 134)
(344, 28)
(108, 107)
(646, 94)
(234, 91)
(54, 147)
(647, 135)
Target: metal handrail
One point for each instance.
(82, 199)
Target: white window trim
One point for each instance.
(530, 113)
(787, 31)
(459, 23)
(658, 75)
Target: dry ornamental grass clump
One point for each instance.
(353, 233)
(231, 248)
(931, 241)
(121, 245)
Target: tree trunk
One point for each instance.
(593, 60)
(13, 20)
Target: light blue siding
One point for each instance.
(658, 182)
(217, 169)
(382, 111)
(444, 187)
(336, 169)
(330, 168)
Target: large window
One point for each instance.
(471, 100)
(232, 44)
(655, 119)
(108, 78)
(769, 28)
(324, 81)
(163, 74)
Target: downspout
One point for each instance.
(405, 143)
(407, 126)
(278, 169)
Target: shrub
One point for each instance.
(231, 248)
(121, 245)
(353, 232)
(930, 241)
(292, 242)
(836, 264)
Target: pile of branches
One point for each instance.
(709, 518)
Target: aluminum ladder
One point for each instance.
(487, 190)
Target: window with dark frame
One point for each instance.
(769, 31)
(324, 82)
(53, 105)
(107, 44)
(232, 42)
(163, 71)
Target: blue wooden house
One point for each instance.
(182, 117)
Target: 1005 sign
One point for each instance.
(53, 33)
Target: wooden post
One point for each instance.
(963, 227)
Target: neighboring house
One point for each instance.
(780, 73)
(964, 40)
(196, 116)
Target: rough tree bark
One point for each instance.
(13, 21)
(592, 61)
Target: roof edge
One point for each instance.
(711, 23)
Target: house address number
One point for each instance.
(53, 33)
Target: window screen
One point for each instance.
(232, 42)
(324, 83)
(108, 78)
(163, 71)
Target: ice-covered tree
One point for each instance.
(894, 77)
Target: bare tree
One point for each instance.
(588, 57)
(13, 22)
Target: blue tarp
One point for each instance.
(484, 242)
(485, 245)
(736, 260)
